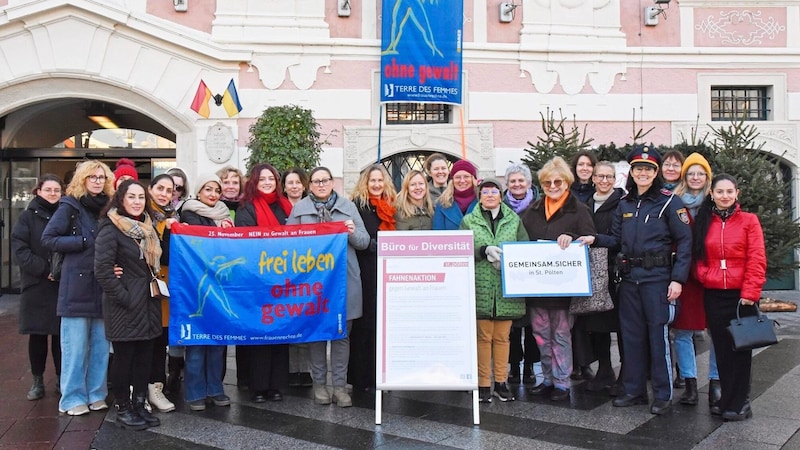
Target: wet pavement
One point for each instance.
(415, 419)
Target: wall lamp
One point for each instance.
(344, 8)
(651, 13)
(507, 11)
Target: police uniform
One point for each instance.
(648, 229)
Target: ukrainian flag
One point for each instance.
(230, 100)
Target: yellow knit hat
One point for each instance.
(696, 158)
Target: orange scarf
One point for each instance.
(552, 206)
(385, 211)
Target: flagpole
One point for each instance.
(463, 141)
(380, 130)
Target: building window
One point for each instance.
(734, 103)
(417, 113)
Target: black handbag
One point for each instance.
(56, 261)
(752, 331)
(600, 300)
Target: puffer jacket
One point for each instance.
(130, 313)
(489, 300)
(735, 255)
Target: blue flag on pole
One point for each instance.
(255, 286)
(421, 51)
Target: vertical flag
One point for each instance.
(230, 100)
(201, 98)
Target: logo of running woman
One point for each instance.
(186, 331)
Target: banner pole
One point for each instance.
(463, 141)
(380, 130)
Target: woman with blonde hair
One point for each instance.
(414, 207)
(72, 231)
(458, 199)
(558, 216)
(374, 197)
(232, 187)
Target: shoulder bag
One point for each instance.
(600, 300)
(752, 331)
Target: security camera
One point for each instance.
(662, 2)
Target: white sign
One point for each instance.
(543, 269)
(426, 327)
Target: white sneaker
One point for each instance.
(155, 394)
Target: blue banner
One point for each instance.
(255, 286)
(421, 51)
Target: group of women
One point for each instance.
(114, 238)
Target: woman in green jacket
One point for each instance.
(493, 223)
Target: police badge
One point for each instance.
(683, 215)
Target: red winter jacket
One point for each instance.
(735, 255)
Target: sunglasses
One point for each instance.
(554, 183)
(178, 188)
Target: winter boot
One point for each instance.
(689, 396)
(714, 392)
(174, 366)
(127, 417)
(321, 394)
(37, 388)
(138, 408)
(513, 375)
(679, 382)
(155, 394)
(341, 397)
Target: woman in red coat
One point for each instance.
(731, 264)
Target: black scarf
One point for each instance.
(724, 214)
(45, 205)
(94, 203)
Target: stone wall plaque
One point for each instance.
(220, 143)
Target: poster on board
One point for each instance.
(426, 311)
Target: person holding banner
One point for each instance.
(520, 194)
(323, 204)
(649, 225)
(72, 230)
(203, 371)
(560, 217)
(127, 238)
(492, 224)
(263, 206)
(414, 205)
(458, 199)
(374, 198)
(438, 170)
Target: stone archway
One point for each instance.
(361, 146)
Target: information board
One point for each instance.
(426, 328)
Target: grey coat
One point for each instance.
(304, 212)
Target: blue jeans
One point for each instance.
(684, 353)
(713, 373)
(84, 361)
(203, 372)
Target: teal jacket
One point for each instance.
(489, 301)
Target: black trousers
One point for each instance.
(530, 352)
(734, 367)
(268, 366)
(157, 374)
(361, 366)
(37, 353)
(130, 367)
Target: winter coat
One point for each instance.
(607, 321)
(304, 212)
(691, 304)
(489, 301)
(735, 255)
(368, 263)
(130, 313)
(419, 221)
(37, 307)
(192, 218)
(246, 215)
(573, 219)
(450, 217)
(72, 230)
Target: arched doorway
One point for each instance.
(399, 164)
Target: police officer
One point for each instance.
(651, 226)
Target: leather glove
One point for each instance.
(493, 254)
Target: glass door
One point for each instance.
(20, 177)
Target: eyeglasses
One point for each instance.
(322, 182)
(643, 168)
(672, 166)
(695, 174)
(605, 177)
(490, 191)
(51, 191)
(178, 188)
(97, 178)
(554, 183)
